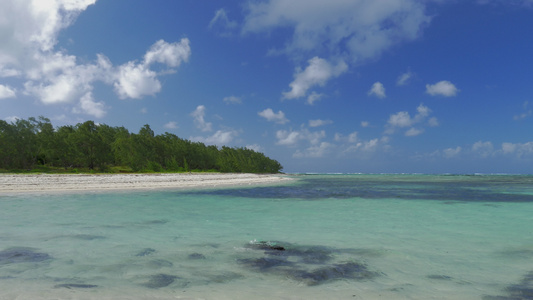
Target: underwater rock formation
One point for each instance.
(521, 291)
(160, 280)
(75, 285)
(21, 255)
(196, 256)
(307, 264)
(145, 252)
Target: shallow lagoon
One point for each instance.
(323, 237)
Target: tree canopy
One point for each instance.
(26, 144)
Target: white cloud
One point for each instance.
(219, 138)
(451, 152)
(170, 54)
(317, 123)
(255, 147)
(526, 111)
(232, 100)
(365, 123)
(29, 31)
(12, 119)
(199, 119)
(269, 114)
(287, 138)
(400, 119)
(518, 149)
(222, 22)
(484, 149)
(362, 29)
(414, 132)
(433, 122)
(351, 138)
(377, 90)
(91, 107)
(315, 151)
(403, 119)
(442, 88)
(6, 92)
(136, 81)
(404, 78)
(364, 146)
(318, 72)
(171, 125)
(291, 138)
(314, 97)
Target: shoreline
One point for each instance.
(50, 183)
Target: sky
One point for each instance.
(347, 86)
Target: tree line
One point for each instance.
(27, 144)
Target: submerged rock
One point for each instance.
(145, 252)
(308, 264)
(75, 285)
(521, 291)
(21, 255)
(264, 263)
(160, 280)
(439, 277)
(196, 256)
(265, 245)
(160, 263)
(348, 270)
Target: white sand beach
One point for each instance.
(42, 183)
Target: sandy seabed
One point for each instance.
(23, 183)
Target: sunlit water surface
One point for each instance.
(321, 237)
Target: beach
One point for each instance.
(36, 183)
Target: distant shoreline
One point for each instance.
(49, 183)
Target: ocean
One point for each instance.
(319, 237)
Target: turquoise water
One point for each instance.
(321, 237)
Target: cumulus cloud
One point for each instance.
(483, 149)
(525, 114)
(6, 92)
(318, 122)
(255, 147)
(219, 138)
(222, 23)
(442, 88)
(291, 138)
(363, 29)
(403, 119)
(171, 125)
(199, 119)
(404, 78)
(400, 119)
(271, 116)
(451, 152)
(369, 146)
(232, 100)
(318, 72)
(518, 149)
(29, 31)
(414, 132)
(89, 106)
(315, 151)
(314, 97)
(377, 90)
(135, 81)
(170, 54)
(351, 138)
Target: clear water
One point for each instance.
(326, 237)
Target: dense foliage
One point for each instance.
(26, 144)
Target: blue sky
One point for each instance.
(427, 86)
